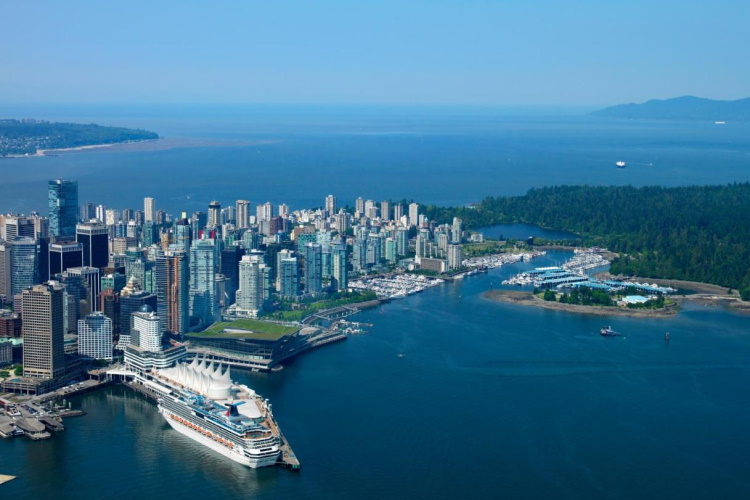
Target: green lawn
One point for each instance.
(252, 328)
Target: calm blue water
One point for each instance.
(488, 400)
(439, 156)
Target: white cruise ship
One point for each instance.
(200, 401)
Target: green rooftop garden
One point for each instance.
(246, 329)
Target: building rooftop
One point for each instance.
(246, 329)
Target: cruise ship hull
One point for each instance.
(238, 456)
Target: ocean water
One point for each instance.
(445, 156)
(489, 400)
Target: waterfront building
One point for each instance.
(330, 205)
(254, 288)
(95, 336)
(413, 214)
(130, 304)
(243, 214)
(214, 214)
(390, 250)
(93, 238)
(149, 210)
(288, 277)
(313, 255)
(172, 291)
(203, 283)
(455, 256)
(23, 264)
(43, 331)
(456, 230)
(63, 208)
(436, 265)
(145, 331)
(340, 273)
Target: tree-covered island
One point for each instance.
(27, 137)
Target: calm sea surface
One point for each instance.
(489, 400)
(299, 155)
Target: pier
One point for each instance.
(287, 458)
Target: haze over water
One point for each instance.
(443, 155)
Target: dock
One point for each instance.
(5, 479)
(287, 458)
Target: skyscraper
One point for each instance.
(264, 211)
(254, 285)
(243, 214)
(94, 239)
(95, 337)
(182, 235)
(359, 206)
(385, 210)
(289, 277)
(132, 303)
(63, 208)
(63, 256)
(398, 211)
(43, 333)
(172, 292)
(149, 209)
(313, 268)
(340, 274)
(330, 205)
(91, 275)
(413, 214)
(23, 264)
(230, 268)
(214, 214)
(456, 230)
(203, 310)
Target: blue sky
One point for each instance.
(515, 52)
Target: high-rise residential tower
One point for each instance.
(242, 214)
(214, 213)
(149, 210)
(330, 205)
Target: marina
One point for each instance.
(396, 285)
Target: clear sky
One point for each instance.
(509, 52)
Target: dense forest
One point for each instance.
(697, 233)
(21, 137)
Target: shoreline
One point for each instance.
(528, 299)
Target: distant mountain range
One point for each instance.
(682, 108)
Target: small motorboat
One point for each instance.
(607, 331)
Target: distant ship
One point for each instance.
(620, 164)
(607, 331)
(720, 123)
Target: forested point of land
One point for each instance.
(25, 137)
(694, 233)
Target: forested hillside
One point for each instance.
(698, 233)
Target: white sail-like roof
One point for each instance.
(202, 377)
